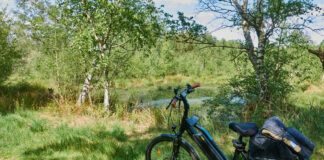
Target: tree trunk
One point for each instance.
(261, 73)
(106, 87)
(56, 59)
(203, 64)
(323, 69)
(262, 40)
(86, 85)
(257, 60)
(320, 54)
(85, 90)
(263, 81)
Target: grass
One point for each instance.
(25, 135)
(39, 128)
(46, 135)
(84, 134)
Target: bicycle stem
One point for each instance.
(183, 97)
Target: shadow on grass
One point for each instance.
(85, 144)
(22, 95)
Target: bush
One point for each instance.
(278, 88)
(8, 51)
(225, 106)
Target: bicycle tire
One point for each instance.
(192, 153)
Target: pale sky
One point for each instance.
(191, 8)
(10, 3)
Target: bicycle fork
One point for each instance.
(176, 144)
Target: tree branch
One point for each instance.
(241, 52)
(91, 22)
(122, 44)
(319, 53)
(212, 45)
(242, 9)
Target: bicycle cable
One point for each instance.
(169, 117)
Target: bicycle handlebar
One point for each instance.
(188, 90)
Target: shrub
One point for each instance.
(8, 52)
(225, 106)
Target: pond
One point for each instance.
(192, 101)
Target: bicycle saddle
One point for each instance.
(244, 129)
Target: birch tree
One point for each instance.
(47, 33)
(113, 26)
(265, 19)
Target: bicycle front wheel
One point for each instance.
(161, 148)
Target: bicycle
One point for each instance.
(182, 149)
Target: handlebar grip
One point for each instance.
(174, 102)
(195, 85)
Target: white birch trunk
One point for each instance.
(106, 87)
(85, 90)
(261, 73)
(86, 86)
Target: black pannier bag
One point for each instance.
(307, 146)
(277, 142)
(262, 147)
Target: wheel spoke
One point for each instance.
(163, 151)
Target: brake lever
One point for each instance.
(177, 97)
(175, 90)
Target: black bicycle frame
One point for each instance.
(202, 138)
